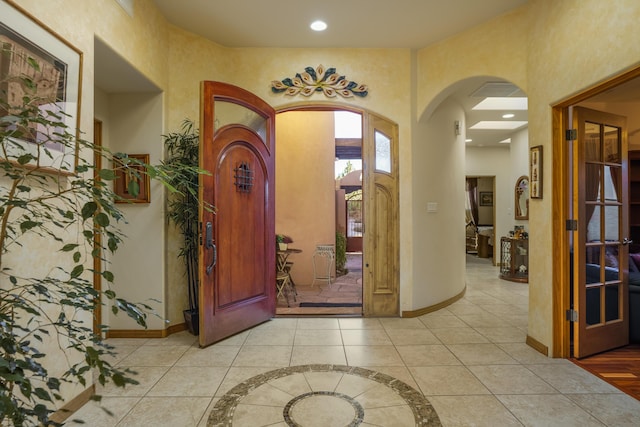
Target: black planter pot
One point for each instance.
(192, 321)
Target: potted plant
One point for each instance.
(46, 312)
(283, 241)
(182, 209)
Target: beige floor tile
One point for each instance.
(482, 320)
(511, 379)
(402, 323)
(401, 337)
(571, 379)
(154, 356)
(267, 395)
(215, 355)
(400, 372)
(480, 411)
(527, 355)
(234, 340)
(427, 355)
(94, 414)
(379, 396)
(503, 334)
(447, 381)
(353, 385)
(481, 354)
(205, 417)
(166, 411)
(180, 338)
(365, 337)
(294, 385)
(464, 335)
(263, 355)
(373, 355)
(396, 416)
(466, 310)
(279, 323)
(318, 337)
(192, 381)
(548, 410)
(618, 410)
(447, 321)
(271, 337)
(322, 323)
(147, 377)
(256, 415)
(323, 381)
(360, 323)
(237, 375)
(311, 354)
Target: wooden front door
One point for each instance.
(237, 252)
(601, 252)
(381, 233)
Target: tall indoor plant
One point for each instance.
(47, 304)
(182, 151)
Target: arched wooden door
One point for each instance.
(237, 254)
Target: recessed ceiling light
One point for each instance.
(318, 25)
(506, 141)
(468, 140)
(508, 116)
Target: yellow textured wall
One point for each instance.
(305, 185)
(550, 60)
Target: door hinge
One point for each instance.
(572, 315)
(571, 134)
(572, 225)
(200, 232)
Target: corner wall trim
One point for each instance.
(436, 307)
(537, 345)
(73, 405)
(146, 333)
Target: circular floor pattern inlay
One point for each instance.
(322, 395)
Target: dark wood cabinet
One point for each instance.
(514, 259)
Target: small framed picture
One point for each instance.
(486, 198)
(535, 172)
(132, 184)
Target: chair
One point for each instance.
(283, 286)
(323, 259)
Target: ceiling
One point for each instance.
(351, 23)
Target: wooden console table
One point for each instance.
(514, 259)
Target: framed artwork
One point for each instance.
(130, 175)
(486, 198)
(28, 48)
(535, 172)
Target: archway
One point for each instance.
(380, 281)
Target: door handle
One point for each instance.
(627, 241)
(208, 244)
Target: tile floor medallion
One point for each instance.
(321, 395)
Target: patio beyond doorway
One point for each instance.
(344, 290)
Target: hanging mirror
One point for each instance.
(522, 198)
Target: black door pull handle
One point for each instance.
(208, 244)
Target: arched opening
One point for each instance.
(311, 202)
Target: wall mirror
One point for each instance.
(522, 198)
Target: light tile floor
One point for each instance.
(469, 360)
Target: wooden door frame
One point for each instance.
(97, 238)
(334, 106)
(560, 211)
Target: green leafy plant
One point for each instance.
(341, 253)
(183, 206)
(51, 312)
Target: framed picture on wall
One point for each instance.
(535, 172)
(41, 71)
(486, 198)
(131, 184)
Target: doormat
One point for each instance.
(330, 304)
